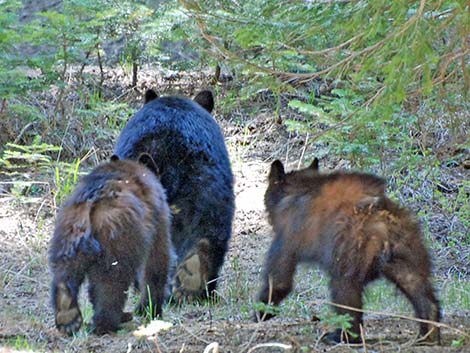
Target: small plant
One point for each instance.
(336, 320)
(21, 343)
(22, 162)
(87, 311)
(459, 342)
(149, 309)
(25, 164)
(65, 181)
(266, 308)
(19, 159)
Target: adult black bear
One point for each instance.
(188, 147)
(114, 230)
(344, 222)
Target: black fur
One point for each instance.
(188, 147)
(150, 95)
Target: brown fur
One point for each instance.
(114, 230)
(344, 222)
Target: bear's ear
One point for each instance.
(206, 100)
(150, 95)
(314, 165)
(277, 172)
(147, 160)
(114, 158)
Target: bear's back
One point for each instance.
(185, 142)
(177, 118)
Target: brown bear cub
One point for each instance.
(345, 223)
(113, 230)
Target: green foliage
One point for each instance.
(127, 20)
(457, 207)
(239, 288)
(65, 181)
(74, 35)
(266, 308)
(12, 77)
(100, 116)
(380, 56)
(338, 321)
(456, 294)
(383, 291)
(20, 343)
(171, 27)
(53, 55)
(459, 342)
(36, 157)
(150, 308)
(24, 162)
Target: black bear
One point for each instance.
(188, 147)
(345, 222)
(113, 230)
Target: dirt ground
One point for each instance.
(254, 141)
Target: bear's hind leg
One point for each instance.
(348, 292)
(418, 289)
(108, 295)
(154, 283)
(68, 317)
(191, 281)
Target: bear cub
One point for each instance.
(344, 222)
(113, 230)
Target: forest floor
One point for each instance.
(254, 140)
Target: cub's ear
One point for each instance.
(150, 95)
(114, 158)
(147, 160)
(206, 100)
(314, 165)
(277, 172)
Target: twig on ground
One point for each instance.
(299, 164)
(195, 336)
(363, 339)
(405, 317)
(264, 345)
(212, 348)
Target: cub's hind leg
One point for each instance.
(347, 292)
(418, 289)
(154, 283)
(108, 294)
(68, 318)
